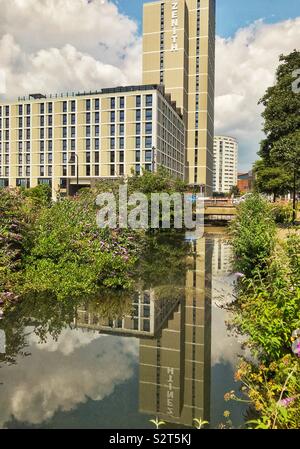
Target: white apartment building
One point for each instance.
(225, 163)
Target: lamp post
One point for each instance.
(153, 159)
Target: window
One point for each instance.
(49, 145)
(20, 159)
(122, 102)
(148, 128)
(97, 144)
(88, 144)
(148, 167)
(42, 120)
(138, 156)
(138, 101)
(49, 171)
(27, 146)
(65, 106)
(64, 119)
(97, 104)
(112, 143)
(42, 108)
(121, 170)
(138, 142)
(121, 130)
(138, 115)
(50, 120)
(73, 145)
(73, 105)
(88, 158)
(148, 100)
(148, 114)
(148, 142)
(73, 170)
(28, 109)
(88, 131)
(88, 105)
(112, 157)
(137, 169)
(20, 146)
(64, 145)
(20, 171)
(112, 103)
(42, 171)
(73, 119)
(148, 155)
(121, 158)
(122, 116)
(20, 122)
(138, 128)
(97, 116)
(20, 134)
(20, 109)
(64, 158)
(112, 116)
(121, 143)
(97, 158)
(88, 117)
(49, 108)
(112, 170)
(96, 170)
(50, 132)
(112, 130)
(97, 130)
(42, 133)
(6, 110)
(28, 122)
(42, 145)
(64, 133)
(73, 131)
(49, 158)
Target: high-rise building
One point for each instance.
(71, 141)
(179, 52)
(225, 163)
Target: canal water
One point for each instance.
(162, 350)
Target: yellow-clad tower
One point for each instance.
(179, 52)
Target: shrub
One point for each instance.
(253, 232)
(282, 213)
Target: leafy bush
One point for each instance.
(269, 306)
(253, 232)
(282, 213)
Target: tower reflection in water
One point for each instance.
(174, 327)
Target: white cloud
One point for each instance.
(52, 46)
(47, 382)
(245, 67)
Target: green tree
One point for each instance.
(271, 180)
(281, 117)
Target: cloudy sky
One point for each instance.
(66, 45)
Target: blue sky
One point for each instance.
(231, 14)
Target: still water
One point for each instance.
(163, 350)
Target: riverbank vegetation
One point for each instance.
(267, 311)
(56, 248)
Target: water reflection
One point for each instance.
(153, 347)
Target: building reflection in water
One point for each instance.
(175, 342)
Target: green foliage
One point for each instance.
(282, 213)
(272, 180)
(253, 232)
(274, 391)
(269, 306)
